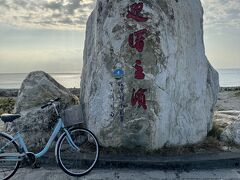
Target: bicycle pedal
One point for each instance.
(36, 165)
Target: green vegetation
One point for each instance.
(237, 94)
(217, 129)
(6, 105)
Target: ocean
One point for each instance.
(227, 78)
(14, 80)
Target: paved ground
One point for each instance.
(126, 174)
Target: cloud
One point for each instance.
(56, 14)
(4, 3)
(71, 14)
(221, 14)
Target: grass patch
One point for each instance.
(6, 105)
(237, 94)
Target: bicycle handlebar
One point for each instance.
(42, 107)
(50, 103)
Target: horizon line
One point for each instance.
(80, 71)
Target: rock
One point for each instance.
(226, 117)
(228, 100)
(221, 120)
(227, 124)
(38, 88)
(36, 124)
(181, 86)
(232, 133)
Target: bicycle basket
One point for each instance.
(72, 116)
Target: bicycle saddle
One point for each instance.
(9, 117)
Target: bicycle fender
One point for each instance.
(9, 136)
(56, 146)
(5, 134)
(58, 141)
(70, 129)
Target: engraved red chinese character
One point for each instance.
(139, 70)
(139, 97)
(136, 40)
(135, 12)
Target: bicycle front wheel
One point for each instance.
(8, 167)
(78, 160)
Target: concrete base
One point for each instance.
(183, 162)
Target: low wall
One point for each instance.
(14, 92)
(237, 88)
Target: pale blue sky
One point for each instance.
(49, 34)
(222, 32)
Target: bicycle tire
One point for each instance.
(81, 137)
(13, 149)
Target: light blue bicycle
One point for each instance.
(76, 150)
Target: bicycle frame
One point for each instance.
(18, 138)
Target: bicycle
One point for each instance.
(76, 150)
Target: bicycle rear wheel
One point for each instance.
(8, 167)
(77, 162)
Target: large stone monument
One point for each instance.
(146, 81)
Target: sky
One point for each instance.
(49, 34)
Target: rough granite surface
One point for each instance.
(181, 84)
(36, 124)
